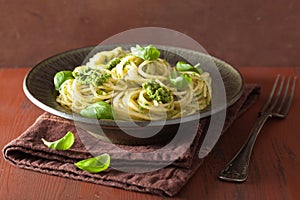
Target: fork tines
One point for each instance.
(281, 108)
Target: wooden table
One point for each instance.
(274, 167)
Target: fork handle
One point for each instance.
(237, 169)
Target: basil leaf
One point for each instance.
(183, 66)
(98, 110)
(61, 77)
(63, 143)
(147, 53)
(95, 164)
(179, 81)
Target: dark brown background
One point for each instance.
(243, 33)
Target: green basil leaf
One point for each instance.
(179, 81)
(95, 164)
(61, 77)
(147, 53)
(63, 143)
(98, 110)
(183, 66)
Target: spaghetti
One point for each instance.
(137, 85)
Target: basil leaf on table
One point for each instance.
(183, 66)
(63, 143)
(147, 53)
(98, 110)
(61, 77)
(95, 164)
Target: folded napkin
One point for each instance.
(28, 152)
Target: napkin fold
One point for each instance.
(173, 168)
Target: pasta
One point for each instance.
(137, 84)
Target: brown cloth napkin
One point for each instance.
(28, 152)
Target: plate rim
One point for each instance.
(78, 118)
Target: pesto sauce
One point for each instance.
(90, 76)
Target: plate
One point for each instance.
(39, 89)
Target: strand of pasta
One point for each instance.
(158, 69)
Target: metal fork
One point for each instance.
(276, 106)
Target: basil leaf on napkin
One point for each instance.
(63, 143)
(95, 164)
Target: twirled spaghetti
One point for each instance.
(136, 87)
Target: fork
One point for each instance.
(276, 106)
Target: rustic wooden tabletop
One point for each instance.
(274, 167)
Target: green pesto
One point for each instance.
(157, 92)
(90, 76)
(113, 63)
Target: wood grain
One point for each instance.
(274, 167)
